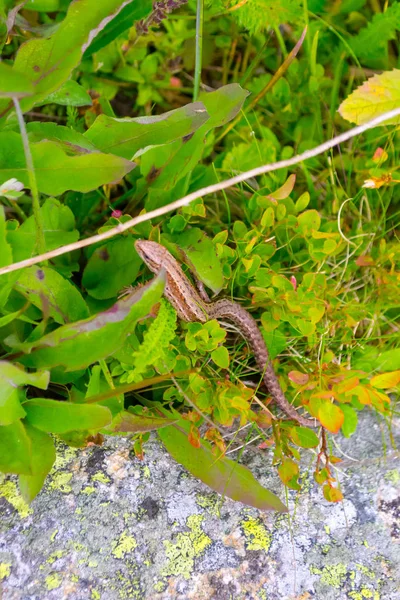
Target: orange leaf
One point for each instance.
(331, 416)
(386, 380)
(332, 494)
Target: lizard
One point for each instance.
(191, 305)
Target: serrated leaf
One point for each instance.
(386, 380)
(54, 416)
(222, 475)
(374, 97)
(77, 345)
(330, 416)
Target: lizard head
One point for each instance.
(152, 254)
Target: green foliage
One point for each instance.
(312, 252)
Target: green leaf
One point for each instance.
(69, 94)
(165, 166)
(54, 416)
(129, 14)
(14, 84)
(43, 455)
(15, 449)
(77, 345)
(55, 171)
(221, 357)
(67, 138)
(111, 267)
(221, 474)
(52, 293)
(11, 380)
(350, 420)
(304, 437)
(125, 137)
(200, 251)
(289, 473)
(51, 60)
(58, 225)
(127, 422)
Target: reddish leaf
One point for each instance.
(298, 378)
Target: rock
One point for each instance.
(107, 526)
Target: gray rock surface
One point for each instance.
(109, 527)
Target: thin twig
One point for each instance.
(209, 189)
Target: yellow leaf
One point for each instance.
(376, 96)
(331, 416)
(386, 380)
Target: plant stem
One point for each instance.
(40, 241)
(199, 48)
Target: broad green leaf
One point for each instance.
(15, 449)
(200, 250)
(350, 420)
(164, 167)
(14, 84)
(111, 267)
(386, 380)
(331, 416)
(304, 437)
(67, 138)
(374, 97)
(43, 455)
(126, 137)
(221, 474)
(77, 345)
(373, 360)
(126, 422)
(55, 416)
(6, 258)
(130, 13)
(55, 171)
(52, 293)
(58, 225)
(51, 60)
(69, 94)
(11, 380)
(42, 5)
(221, 357)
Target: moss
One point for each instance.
(9, 491)
(257, 536)
(60, 482)
(74, 578)
(101, 477)
(5, 570)
(93, 564)
(159, 586)
(368, 572)
(53, 535)
(124, 545)
(146, 472)
(188, 546)
(95, 595)
(53, 581)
